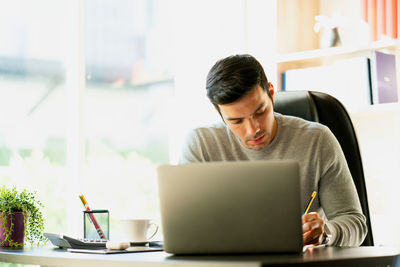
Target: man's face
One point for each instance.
(252, 118)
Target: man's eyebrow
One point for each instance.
(255, 111)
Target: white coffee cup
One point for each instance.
(138, 230)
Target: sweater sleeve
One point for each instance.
(338, 196)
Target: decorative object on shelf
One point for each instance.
(329, 30)
(20, 218)
(335, 38)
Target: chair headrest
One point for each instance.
(296, 103)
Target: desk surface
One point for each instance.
(362, 256)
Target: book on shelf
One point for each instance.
(391, 18)
(382, 17)
(396, 6)
(348, 80)
(372, 19)
(384, 78)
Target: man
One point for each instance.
(238, 88)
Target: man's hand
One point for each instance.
(313, 229)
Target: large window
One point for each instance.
(129, 82)
(95, 94)
(128, 75)
(32, 106)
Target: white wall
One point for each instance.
(378, 131)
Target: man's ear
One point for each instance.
(271, 91)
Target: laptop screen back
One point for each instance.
(231, 207)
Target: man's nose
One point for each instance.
(252, 126)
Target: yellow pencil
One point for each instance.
(92, 218)
(310, 202)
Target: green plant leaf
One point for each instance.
(12, 201)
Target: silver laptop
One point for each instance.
(231, 207)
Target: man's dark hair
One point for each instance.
(233, 77)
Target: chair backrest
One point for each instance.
(327, 110)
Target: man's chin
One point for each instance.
(255, 147)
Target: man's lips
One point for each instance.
(256, 141)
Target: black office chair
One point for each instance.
(325, 109)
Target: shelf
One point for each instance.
(314, 55)
(378, 109)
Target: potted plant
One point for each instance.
(20, 218)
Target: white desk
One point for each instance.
(49, 256)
